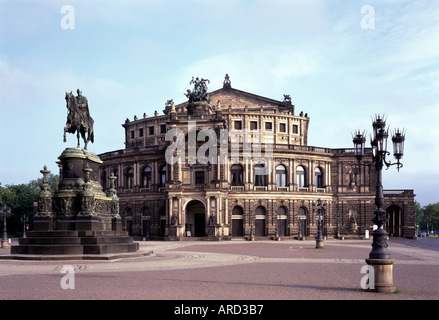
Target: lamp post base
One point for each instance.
(319, 243)
(383, 275)
(5, 244)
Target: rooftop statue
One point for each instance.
(78, 118)
(199, 94)
(199, 99)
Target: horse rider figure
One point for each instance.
(79, 119)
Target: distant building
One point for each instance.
(192, 198)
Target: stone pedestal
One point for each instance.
(213, 233)
(5, 244)
(78, 218)
(212, 230)
(383, 275)
(199, 108)
(319, 243)
(174, 233)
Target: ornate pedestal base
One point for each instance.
(213, 233)
(174, 233)
(79, 218)
(383, 275)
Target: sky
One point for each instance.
(342, 62)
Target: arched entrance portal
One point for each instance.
(394, 228)
(237, 222)
(195, 219)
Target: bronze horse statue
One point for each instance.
(78, 118)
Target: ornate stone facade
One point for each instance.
(221, 200)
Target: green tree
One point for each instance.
(21, 198)
(6, 195)
(419, 216)
(431, 216)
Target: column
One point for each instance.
(180, 211)
(137, 174)
(207, 208)
(170, 211)
(226, 211)
(218, 210)
(272, 182)
(154, 173)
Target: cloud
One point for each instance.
(16, 86)
(267, 68)
(130, 57)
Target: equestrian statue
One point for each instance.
(78, 118)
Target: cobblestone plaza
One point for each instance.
(233, 270)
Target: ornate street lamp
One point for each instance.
(319, 207)
(379, 257)
(252, 237)
(25, 220)
(5, 211)
(299, 229)
(337, 215)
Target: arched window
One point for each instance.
(282, 211)
(146, 177)
(302, 212)
(237, 175)
(260, 175)
(237, 211)
(129, 178)
(300, 177)
(260, 211)
(281, 176)
(163, 176)
(318, 178)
